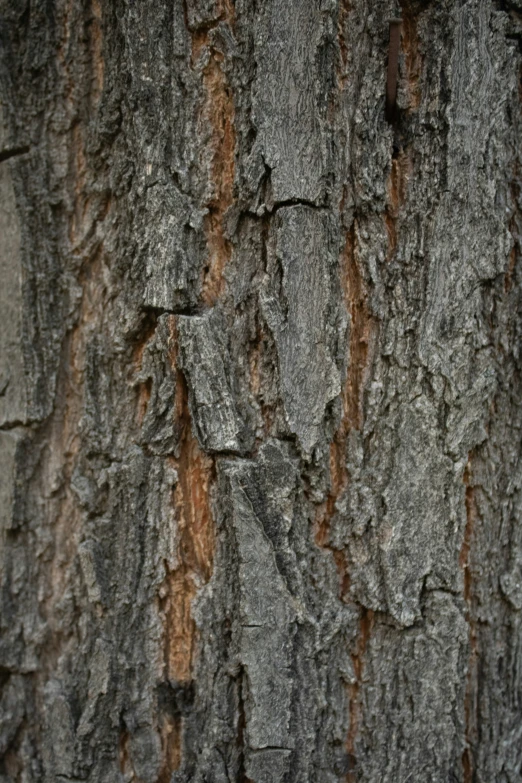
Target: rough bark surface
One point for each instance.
(260, 392)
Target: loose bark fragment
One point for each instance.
(297, 313)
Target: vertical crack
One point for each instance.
(194, 557)
(365, 629)
(397, 187)
(218, 113)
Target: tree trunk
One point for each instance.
(261, 391)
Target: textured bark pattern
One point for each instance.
(260, 392)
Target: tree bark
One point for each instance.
(260, 392)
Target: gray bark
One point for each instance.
(260, 392)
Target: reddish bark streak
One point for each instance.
(195, 552)
(218, 114)
(362, 334)
(363, 329)
(365, 629)
(123, 754)
(170, 731)
(195, 542)
(63, 439)
(410, 48)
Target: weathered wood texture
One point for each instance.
(260, 392)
